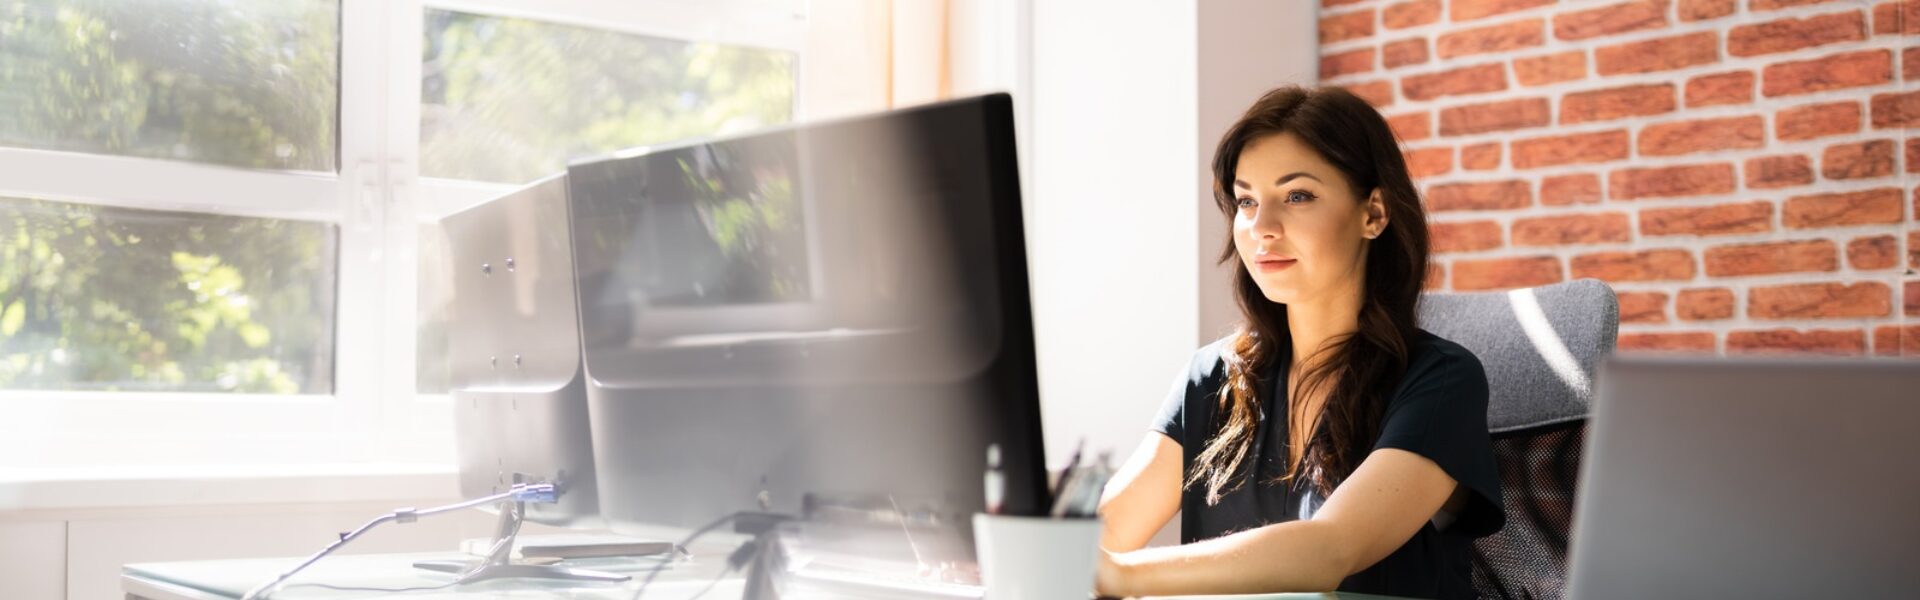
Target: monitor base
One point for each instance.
(477, 571)
(765, 558)
(498, 564)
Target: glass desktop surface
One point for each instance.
(233, 578)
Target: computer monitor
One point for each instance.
(1750, 478)
(516, 378)
(822, 316)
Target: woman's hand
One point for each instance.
(1376, 510)
(1110, 579)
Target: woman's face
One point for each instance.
(1298, 225)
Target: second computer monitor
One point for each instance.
(517, 384)
(822, 315)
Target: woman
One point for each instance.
(1328, 443)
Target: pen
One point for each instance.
(1065, 487)
(996, 482)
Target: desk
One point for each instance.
(229, 579)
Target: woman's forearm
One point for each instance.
(1297, 556)
(1143, 495)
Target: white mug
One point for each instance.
(1033, 558)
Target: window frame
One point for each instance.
(376, 198)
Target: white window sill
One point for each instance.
(44, 490)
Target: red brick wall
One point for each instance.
(1745, 173)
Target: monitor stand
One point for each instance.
(769, 560)
(499, 563)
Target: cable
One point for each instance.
(733, 564)
(738, 558)
(685, 542)
(260, 593)
(710, 584)
(541, 493)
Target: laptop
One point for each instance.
(1750, 478)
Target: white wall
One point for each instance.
(33, 559)
(1246, 48)
(1111, 228)
(1127, 107)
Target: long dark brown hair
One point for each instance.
(1357, 370)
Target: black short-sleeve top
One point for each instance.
(1438, 410)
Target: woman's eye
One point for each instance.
(1245, 203)
(1299, 197)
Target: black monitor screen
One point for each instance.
(713, 225)
(827, 313)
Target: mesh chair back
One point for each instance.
(1541, 348)
(1528, 558)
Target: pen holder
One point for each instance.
(1029, 558)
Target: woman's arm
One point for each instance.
(1386, 500)
(1142, 496)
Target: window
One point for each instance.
(574, 92)
(121, 299)
(512, 100)
(103, 298)
(248, 83)
(182, 232)
(217, 217)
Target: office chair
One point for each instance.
(1540, 347)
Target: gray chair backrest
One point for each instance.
(1540, 346)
